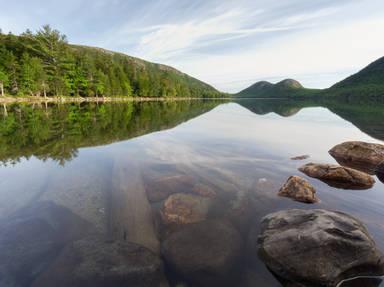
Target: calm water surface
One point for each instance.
(102, 163)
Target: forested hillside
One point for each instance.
(367, 82)
(44, 64)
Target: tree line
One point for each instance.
(44, 64)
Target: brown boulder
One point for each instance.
(159, 189)
(360, 155)
(299, 189)
(339, 176)
(184, 208)
(204, 190)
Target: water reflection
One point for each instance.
(57, 131)
(121, 181)
(366, 116)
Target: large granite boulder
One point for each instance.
(360, 155)
(298, 189)
(31, 239)
(317, 247)
(94, 262)
(184, 208)
(339, 176)
(204, 253)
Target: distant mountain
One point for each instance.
(282, 89)
(369, 81)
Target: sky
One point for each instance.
(228, 44)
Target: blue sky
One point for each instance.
(229, 44)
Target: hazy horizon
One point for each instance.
(229, 44)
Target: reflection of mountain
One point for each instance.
(367, 116)
(57, 131)
(284, 108)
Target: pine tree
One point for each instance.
(52, 48)
(27, 75)
(12, 67)
(100, 83)
(3, 82)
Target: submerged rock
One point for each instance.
(317, 247)
(31, 239)
(204, 190)
(204, 253)
(93, 262)
(360, 155)
(130, 213)
(181, 208)
(339, 176)
(160, 188)
(299, 189)
(240, 211)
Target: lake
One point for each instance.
(109, 170)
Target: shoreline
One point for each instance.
(15, 100)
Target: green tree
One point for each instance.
(12, 67)
(100, 83)
(3, 82)
(51, 45)
(27, 75)
(32, 75)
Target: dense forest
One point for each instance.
(369, 82)
(44, 64)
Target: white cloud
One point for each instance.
(229, 44)
(330, 53)
(162, 42)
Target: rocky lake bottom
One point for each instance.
(190, 194)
